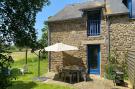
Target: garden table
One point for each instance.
(72, 72)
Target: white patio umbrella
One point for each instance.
(58, 47)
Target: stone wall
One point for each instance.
(74, 32)
(122, 34)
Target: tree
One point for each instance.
(17, 20)
(43, 42)
(44, 39)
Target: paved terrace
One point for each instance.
(96, 83)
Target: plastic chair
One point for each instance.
(24, 69)
(84, 73)
(68, 75)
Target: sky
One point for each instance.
(51, 10)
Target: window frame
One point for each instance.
(98, 12)
(130, 7)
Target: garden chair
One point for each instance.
(67, 75)
(84, 74)
(24, 69)
(59, 71)
(7, 71)
(118, 76)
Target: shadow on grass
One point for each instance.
(22, 85)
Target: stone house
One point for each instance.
(95, 27)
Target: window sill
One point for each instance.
(95, 36)
(131, 17)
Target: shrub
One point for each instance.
(114, 64)
(109, 71)
(5, 77)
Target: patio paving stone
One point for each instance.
(95, 83)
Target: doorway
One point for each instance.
(93, 54)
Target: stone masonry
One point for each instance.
(74, 32)
(122, 34)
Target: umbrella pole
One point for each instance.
(38, 78)
(26, 55)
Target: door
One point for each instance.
(93, 59)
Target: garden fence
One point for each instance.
(131, 67)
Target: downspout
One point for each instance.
(49, 54)
(109, 42)
(105, 5)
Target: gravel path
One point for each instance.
(97, 84)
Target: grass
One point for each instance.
(25, 81)
(33, 85)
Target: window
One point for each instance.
(125, 2)
(94, 21)
(131, 8)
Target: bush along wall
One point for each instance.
(114, 64)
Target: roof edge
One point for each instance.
(81, 17)
(124, 13)
(64, 20)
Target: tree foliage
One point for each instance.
(17, 20)
(43, 42)
(5, 77)
(44, 39)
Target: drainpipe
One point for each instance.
(49, 54)
(105, 5)
(108, 29)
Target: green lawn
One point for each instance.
(34, 85)
(25, 81)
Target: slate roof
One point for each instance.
(115, 7)
(74, 11)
